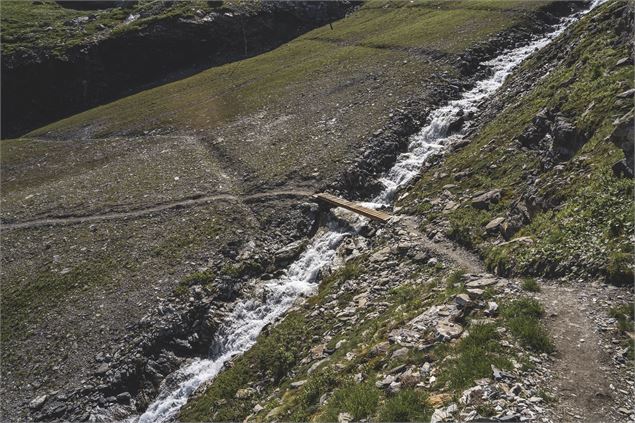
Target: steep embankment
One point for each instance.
(58, 61)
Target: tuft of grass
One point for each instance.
(475, 355)
(624, 314)
(408, 405)
(523, 320)
(455, 278)
(359, 400)
(486, 410)
(531, 285)
(309, 397)
(204, 278)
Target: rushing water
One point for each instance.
(242, 326)
(437, 133)
(247, 319)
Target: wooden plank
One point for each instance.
(356, 208)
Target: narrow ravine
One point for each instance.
(250, 315)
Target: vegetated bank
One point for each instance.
(545, 186)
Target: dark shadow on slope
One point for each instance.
(38, 91)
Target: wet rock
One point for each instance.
(286, 254)
(483, 201)
(124, 398)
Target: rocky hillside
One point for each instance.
(544, 187)
(139, 235)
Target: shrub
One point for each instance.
(407, 406)
(624, 315)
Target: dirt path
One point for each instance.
(584, 379)
(189, 202)
(445, 248)
(581, 382)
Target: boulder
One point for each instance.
(481, 283)
(462, 300)
(38, 402)
(494, 225)
(566, 139)
(483, 201)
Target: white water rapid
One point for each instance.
(245, 322)
(436, 135)
(250, 315)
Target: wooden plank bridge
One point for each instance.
(355, 208)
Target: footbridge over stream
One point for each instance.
(355, 208)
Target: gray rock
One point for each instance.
(297, 384)
(481, 283)
(102, 369)
(627, 93)
(492, 309)
(483, 201)
(462, 300)
(124, 398)
(401, 352)
(494, 225)
(446, 330)
(38, 402)
(244, 393)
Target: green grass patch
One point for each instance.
(359, 400)
(522, 317)
(530, 285)
(474, 356)
(408, 405)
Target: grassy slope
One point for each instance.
(581, 235)
(218, 95)
(298, 110)
(28, 27)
